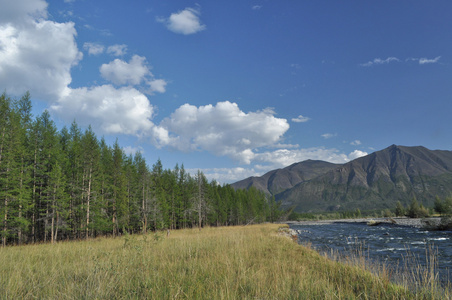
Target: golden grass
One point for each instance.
(250, 262)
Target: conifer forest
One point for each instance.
(67, 184)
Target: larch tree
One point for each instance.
(201, 198)
(143, 188)
(53, 181)
(90, 166)
(7, 163)
(74, 174)
(120, 205)
(23, 202)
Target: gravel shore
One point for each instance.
(401, 221)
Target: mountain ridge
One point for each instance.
(275, 181)
(375, 181)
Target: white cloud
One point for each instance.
(300, 119)
(280, 159)
(256, 7)
(227, 175)
(22, 11)
(329, 135)
(134, 72)
(129, 150)
(93, 48)
(36, 55)
(285, 157)
(356, 143)
(223, 129)
(120, 72)
(117, 50)
(284, 146)
(184, 22)
(356, 154)
(379, 61)
(158, 85)
(107, 109)
(423, 61)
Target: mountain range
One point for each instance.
(375, 181)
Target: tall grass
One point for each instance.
(250, 262)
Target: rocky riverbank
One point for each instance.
(401, 221)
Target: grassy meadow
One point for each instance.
(243, 262)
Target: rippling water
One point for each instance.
(386, 243)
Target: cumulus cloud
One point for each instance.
(184, 22)
(227, 175)
(129, 150)
(379, 61)
(107, 109)
(120, 72)
(93, 48)
(223, 129)
(22, 11)
(158, 85)
(117, 50)
(300, 119)
(356, 154)
(134, 72)
(256, 7)
(280, 159)
(285, 157)
(35, 55)
(356, 143)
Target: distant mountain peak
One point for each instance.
(374, 181)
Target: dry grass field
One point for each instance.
(243, 262)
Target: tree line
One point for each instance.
(68, 184)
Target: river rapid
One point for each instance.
(393, 245)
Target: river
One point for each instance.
(392, 245)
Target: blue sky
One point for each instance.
(236, 88)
